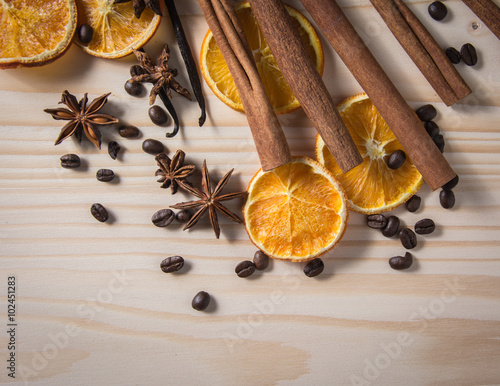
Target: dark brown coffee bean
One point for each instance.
(105, 175)
(157, 115)
(401, 262)
(425, 226)
(314, 267)
(447, 199)
(437, 10)
(245, 268)
(376, 221)
(113, 149)
(172, 264)
(469, 54)
(408, 238)
(439, 141)
(129, 131)
(413, 203)
(396, 159)
(133, 89)
(70, 161)
(432, 128)
(201, 301)
(163, 217)
(453, 54)
(152, 146)
(136, 70)
(451, 184)
(99, 212)
(392, 227)
(426, 113)
(85, 33)
(183, 216)
(260, 260)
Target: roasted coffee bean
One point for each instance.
(437, 10)
(136, 70)
(392, 227)
(129, 131)
(134, 89)
(426, 113)
(408, 238)
(172, 264)
(314, 267)
(157, 115)
(163, 217)
(401, 262)
(245, 268)
(152, 146)
(85, 33)
(432, 128)
(425, 226)
(99, 212)
(201, 301)
(376, 221)
(469, 54)
(439, 141)
(105, 175)
(396, 159)
(447, 199)
(260, 260)
(413, 203)
(451, 184)
(183, 216)
(113, 149)
(453, 54)
(70, 161)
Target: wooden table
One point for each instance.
(93, 306)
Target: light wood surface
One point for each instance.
(93, 307)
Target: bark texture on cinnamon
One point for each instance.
(488, 12)
(397, 113)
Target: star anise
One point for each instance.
(159, 74)
(209, 200)
(82, 118)
(173, 171)
(140, 5)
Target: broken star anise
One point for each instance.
(209, 200)
(140, 5)
(82, 118)
(159, 74)
(173, 171)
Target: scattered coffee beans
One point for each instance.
(432, 128)
(105, 175)
(469, 54)
(439, 141)
(157, 115)
(453, 54)
(413, 203)
(133, 89)
(408, 238)
(396, 159)
(245, 268)
(447, 199)
(260, 260)
(425, 226)
(85, 33)
(201, 301)
(129, 131)
(99, 212)
(70, 161)
(314, 267)
(113, 149)
(451, 184)
(426, 113)
(137, 70)
(401, 262)
(376, 221)
(163, 217)
(392, 227)
(152, 146)
(183, 216)
(437, 10)
(172, 264)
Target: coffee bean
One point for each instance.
(260, 260)
(105, 175)
(113, 149)
(413, 203)
(172, 264)
(432, 128)
(129, 131)
(453, 54)
(136, 70)
(376, 221)
(425, 226)
(401, 262)
(70, 161)
(99, 212)
(85, 33)
(396, 159)
(438, 10)
(134, 89)
(183, 216)
(152, 146)
(447, 199)
(163, 217)
(201, 301)
(314, 267)
(245, 268)
(392, 227)
(439, 141)
(469, 54)
(157, 115)
(408, 238)
(451, 184)
(426, 113)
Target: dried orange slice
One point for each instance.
(371, 187)
(214, 68)
(295, 212)
(116, 29)
(33, 33)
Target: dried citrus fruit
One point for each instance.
(116, 29)
(33, 33)
(295, 212)
(214, 68)
(371, 187)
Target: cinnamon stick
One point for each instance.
(396, 112)
(423, 50)
(488, 12)
(268, 136)
(301, 75)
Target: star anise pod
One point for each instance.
(159, 74)
(140, 5)
(173, 171)
(82, 118)
(209, 200)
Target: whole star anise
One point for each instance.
(140, 5)
(173, 171)
(82, 118)
(159, 74)
(209, 200)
